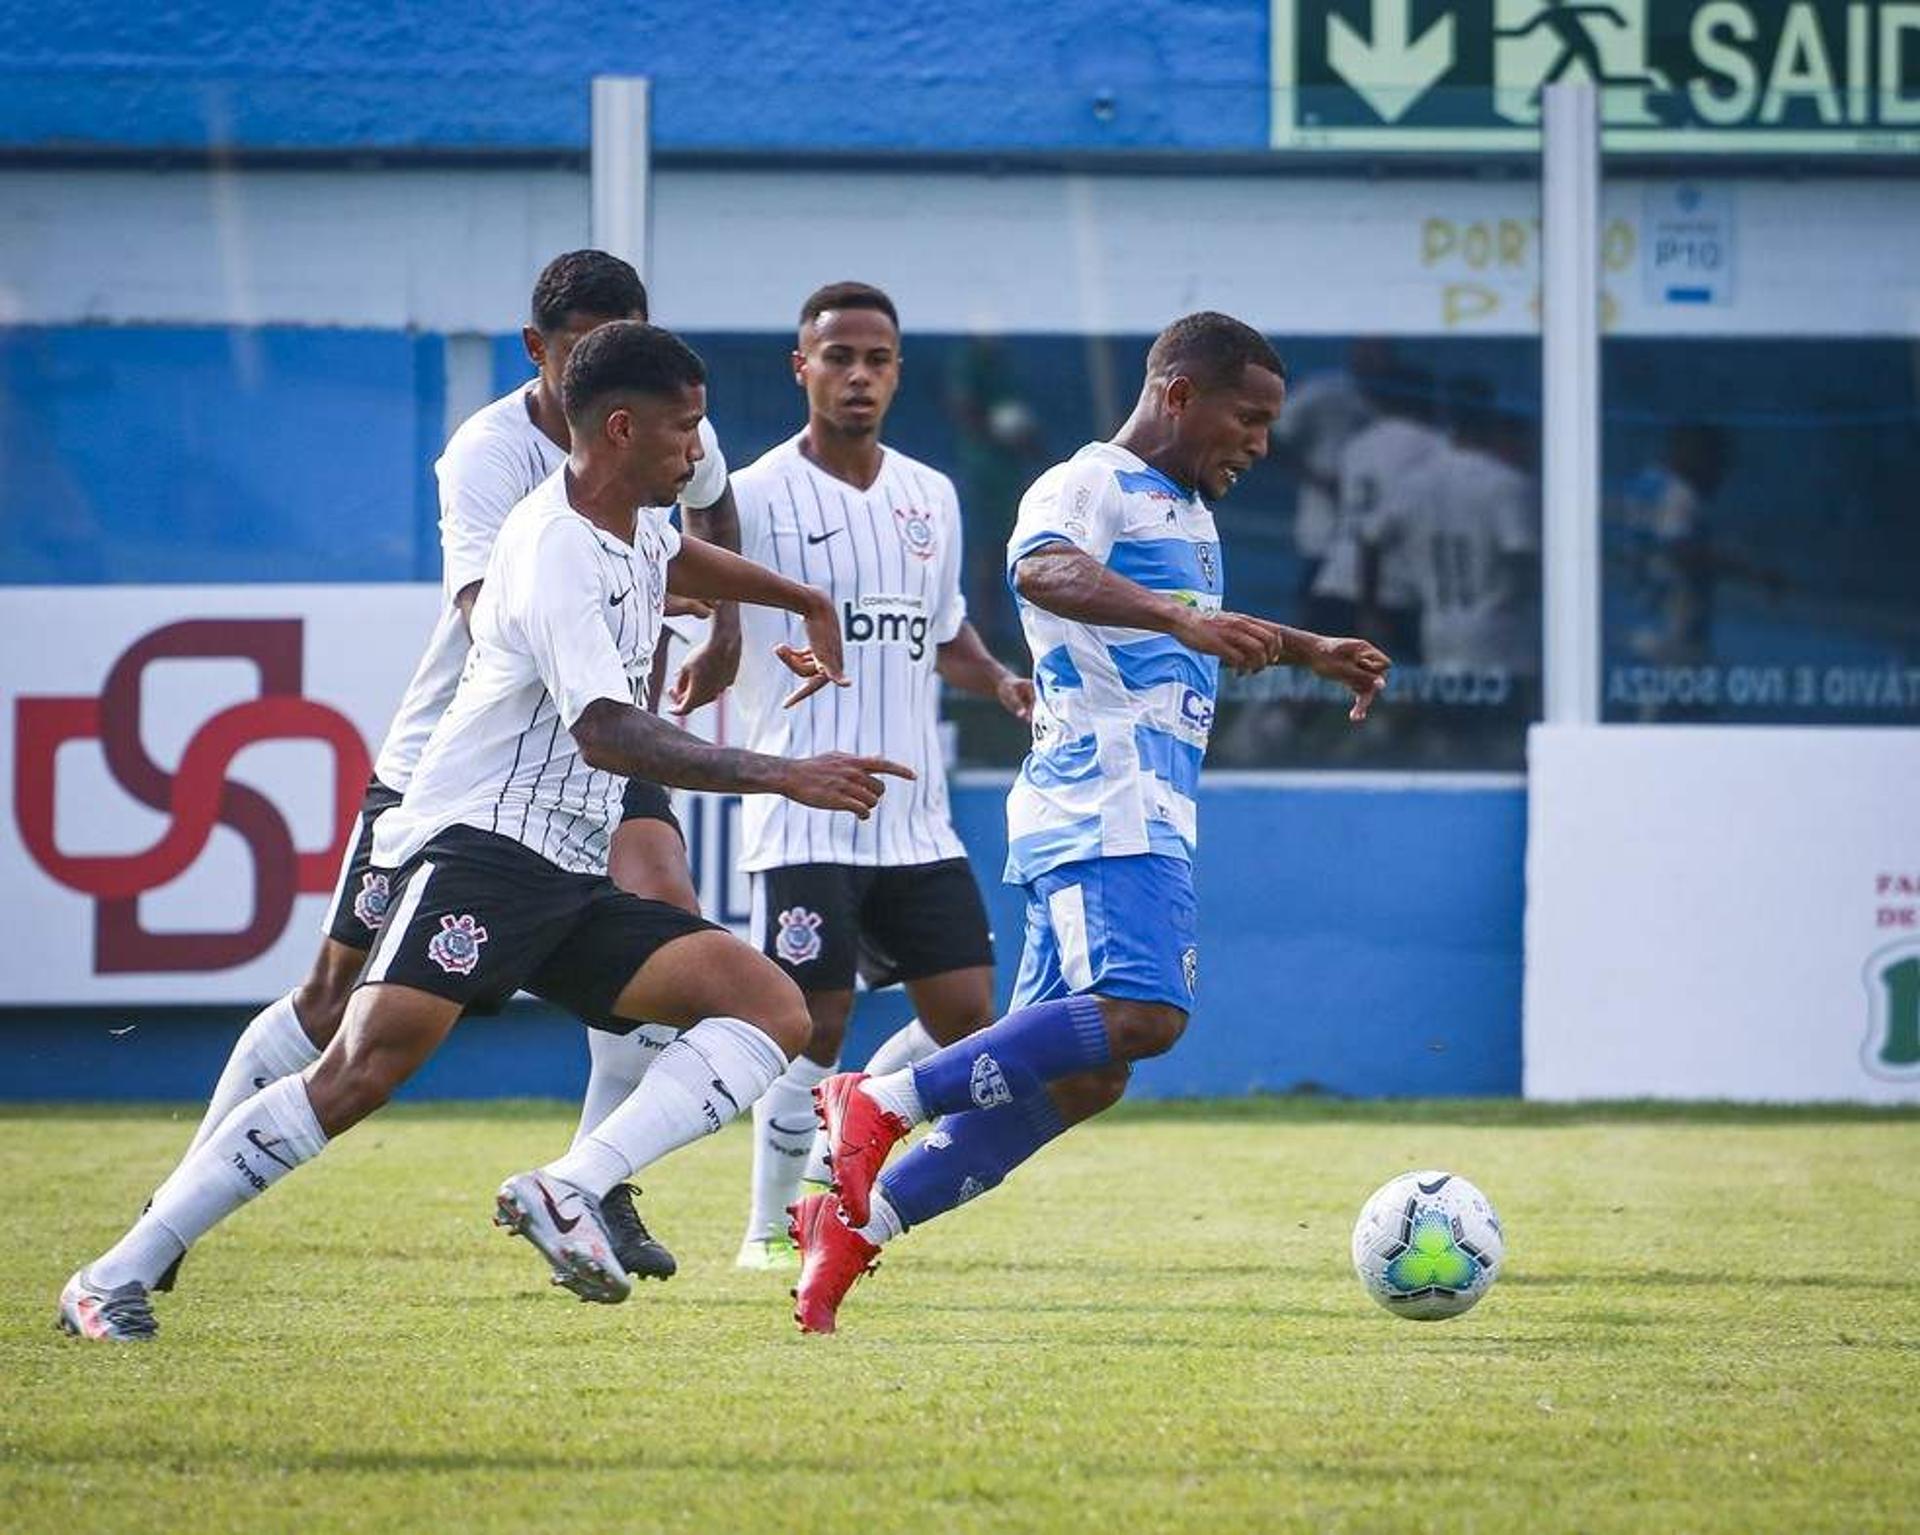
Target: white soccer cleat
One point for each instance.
(768, 1253)
(120, 1315)
(566, 1225)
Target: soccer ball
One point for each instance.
(1427, 1246)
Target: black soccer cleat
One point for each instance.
(639, 1252)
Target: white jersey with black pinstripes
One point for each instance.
(494, 460)
(568, 614)
(889, 556)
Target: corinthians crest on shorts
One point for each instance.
(456, 947)
(916, 531)
(370, 902)
(798, 940)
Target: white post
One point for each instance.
(620, 155)
(1570, 395)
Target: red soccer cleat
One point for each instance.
(859, 1135)
(832, 1256)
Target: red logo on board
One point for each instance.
(196, 797)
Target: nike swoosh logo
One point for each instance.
(614, 602)
(261, 1084)
(1436, 1186)
(561, 1223)
(264, 1144)
(806, 1129)
(721, 1088)
(821, 538)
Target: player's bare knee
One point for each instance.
(1139, 1030)
(1105, 1087)
(774, 1005)
(1087, 1093)
(825, 1037)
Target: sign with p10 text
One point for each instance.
(1674, 76)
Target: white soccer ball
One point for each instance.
(1427, 1246)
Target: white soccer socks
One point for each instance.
(617, 1062)
(272, 1046)
(897, 1093)
(262, 1140)
(783, 1133)
(698, 1083)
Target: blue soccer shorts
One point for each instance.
(1117, 927)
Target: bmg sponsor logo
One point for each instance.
(195, 797)
(886, 619)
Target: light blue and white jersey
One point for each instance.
(1123, 715)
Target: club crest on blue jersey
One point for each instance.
(987, 1084)
(371, 901)
(798, 940)
(1209, 565)
(916, 531)
(456, 947)
(1190, 966)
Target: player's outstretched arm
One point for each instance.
(618, 738)
(966, 662)
(1359, 666)
(704, 571)
(1066, 580)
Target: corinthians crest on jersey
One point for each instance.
(916, 531)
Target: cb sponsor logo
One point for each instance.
(195, 797)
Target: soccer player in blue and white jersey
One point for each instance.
(1118, 570)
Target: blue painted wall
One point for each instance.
(1355, 942)
(753, 75)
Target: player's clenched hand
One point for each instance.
(1246, 644)
(1016, 697)
(1354, 664)
(836, 781)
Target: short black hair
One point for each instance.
(1212, 349)
(847, 295)
(627, 357)
(590, 283)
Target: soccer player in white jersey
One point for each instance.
(1470, 521)
(495, 458)
(880, 533)
(1399, 442)
(1118, 571)
(502, 840)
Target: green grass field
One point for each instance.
(1709, 1321)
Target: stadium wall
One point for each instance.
(757, 76)
(1357, 937)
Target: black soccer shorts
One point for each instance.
(361, 893)
(822, 922)
(645, 800)
(476, 917)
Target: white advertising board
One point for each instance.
(185, 764)
(1723, 913)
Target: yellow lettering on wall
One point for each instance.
(1461, 303)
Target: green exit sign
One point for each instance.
(1674, 76)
